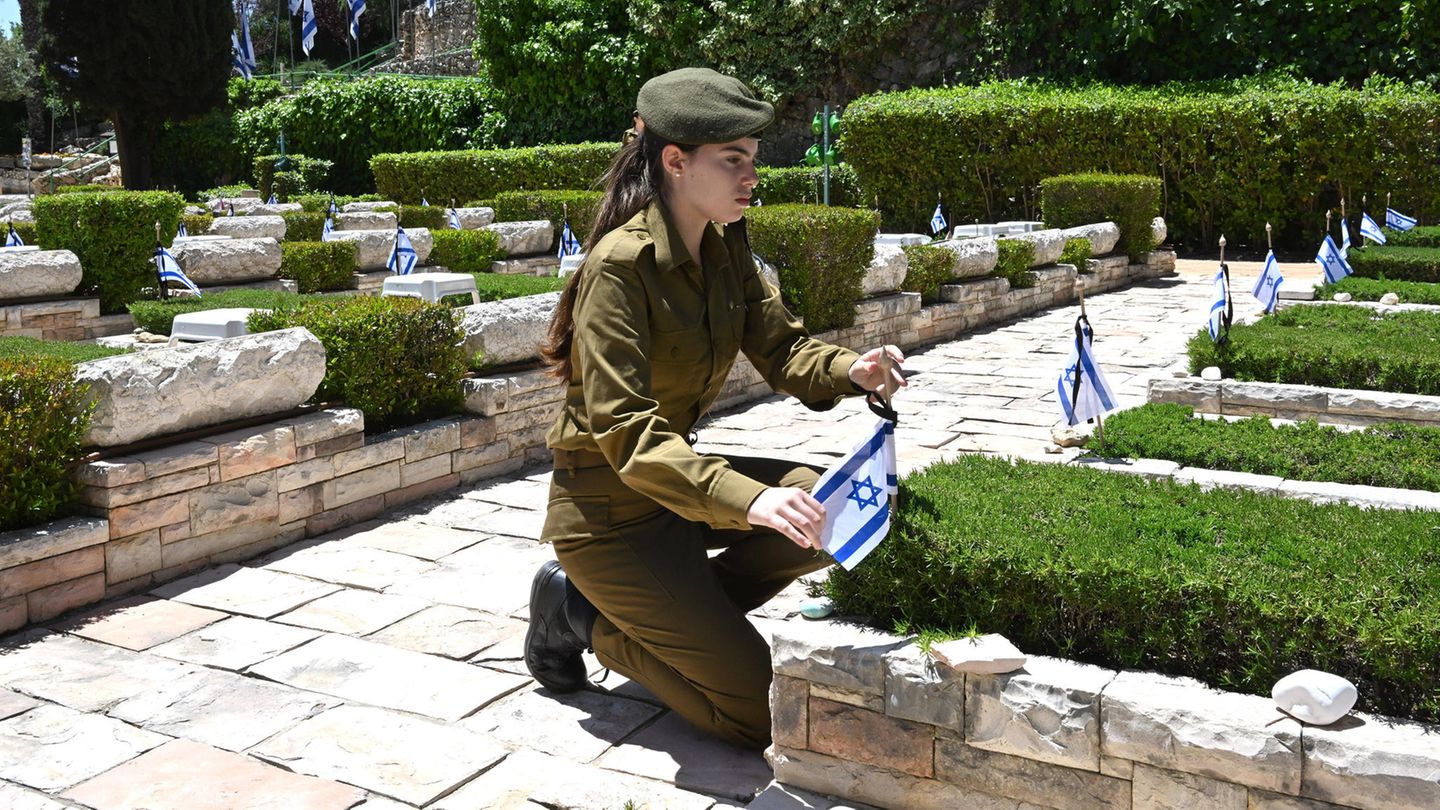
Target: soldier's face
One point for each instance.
(718, 180)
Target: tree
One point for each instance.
(140, 63)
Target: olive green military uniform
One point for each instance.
(633, 508)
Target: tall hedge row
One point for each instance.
(482, 173)
(1231, 155)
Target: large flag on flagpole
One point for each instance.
(856, 496)
(244, 56)
(1398, 221)
(1220, 306)
(357, 7)
(308, 26)
(1370, 230)
(1332, 261)
(430, 6)
(1083, 392)
(294, 7)
(402, 257)
(167, 270)
(1267, 286)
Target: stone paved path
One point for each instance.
(380, 666)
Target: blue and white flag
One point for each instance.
(1218, 306)
(1267, 286)
(402, 257)
(430, 5)
(329, 227)
(1332, 261)
(13, 239)
(1344, 238)
(308, 26)
(569, 245)
(272, 200)
(232, 209)
(1082, 390)
(357, 7)
(454, 219)
(937, 220)
(856, 496)
(182, 231)
(169, 270)
(424, 202)
(333, 209)
(1398, 221)
(244, 49)
(1369, 230)
(294, 7)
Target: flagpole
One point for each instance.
(159, 278)
(1229, 301)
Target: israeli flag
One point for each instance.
(1217, 307)
(1369, 230)
(13, 238)
(856, 496)
(294, 7)
(329, 228)
(1344, 238)
(357, 7)
(937, 220)
(334, 209)
(308, 26)
(1084, 394)
(169, 270)
(430, 6)
(182, 231)
(454, 218)
(1398, 221)
(1267, 286)
(244, 49)
(569, 245)
(1332, 261)
(424, 202)
(272, 200)
(232, 209)
(402, 257)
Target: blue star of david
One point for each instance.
(856, 486)
(1070, 374)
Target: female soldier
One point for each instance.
(645, 334)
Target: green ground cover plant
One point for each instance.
(318, 266)
(1333, 346)
(44, 414)
(465, 251)
(1014, 262)
(1236, 589)
(821, 254)
(926, 268)
(1371, 289)
(1387, 455)
(1077, 252)
(17, 346)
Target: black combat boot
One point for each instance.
(560, 623)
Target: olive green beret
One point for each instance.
(698, 105)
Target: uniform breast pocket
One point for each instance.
(683, 347)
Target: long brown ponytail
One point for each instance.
(631, 183)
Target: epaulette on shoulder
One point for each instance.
(623, 246)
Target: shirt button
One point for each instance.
(674, 351)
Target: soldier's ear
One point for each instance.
(672, 160)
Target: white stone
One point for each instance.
(1047, 711)
(1103, 236)
(250, 227)
(833, 653)
(886, 271)
(1314, 697)
(170, 390)
(1049, 244)
(1153, 468)
(222, 261)
(1158, 230)
(1389, 299)
(373, 248)
(37, 273)
(1211, 374)
(508, 331)
(431, 286)
(1343, 297)
(900, 239)
(475, 218)
(352, 207)
(973, 257)
(241, 205)
(817, 607)
(274, 209)
(525, 237)
(1068, 437)
(366, 221)
(987, 654)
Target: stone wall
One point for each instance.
(868, 717)
(440, 46)
(1333, 405)
(62, 319)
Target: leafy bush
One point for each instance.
(301, 175)
(1420, 236)
(397, 359)
(1234, 588)
(303, 226)
(926, 268)
(204, 151)
(475, 174)
(196, 224)
(348, 121)
(113, 234)
(1130, 201)
(1371, 289)
(821, 254)
(1013, 263)
(423, 216)
(1402, 263)
(44, 414)
(514, 206)
(17, 346)
(1230, 155)
(1389, 455)
(1330, 345)
(158, 317)
(1077, 252)
(465, 251)
(805, 184)
(319, 266)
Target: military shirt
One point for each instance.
(656, 335)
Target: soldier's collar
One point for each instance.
(670, 249)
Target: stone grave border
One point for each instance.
(1348, 406)
(868, 717)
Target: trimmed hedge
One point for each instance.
(1330, 345)
(302, 175)
(1236, 589)
(806, 184)
(113, 234)
(927, 267)
(465, 251)
(481, 174)
(1419, 236)
(44, 413)
(319, 266)
(1231, 155)
(422, 216)
(1371, 289)
(397, 359)
(1013, 263)
(158, 317)
(1077, 252)
(1131, 201)
(515, 206)
(196, 224)
(84, 188)
(1388, 455)
(303, 226)
(1403, 263)
(821, 254)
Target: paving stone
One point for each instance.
(578, 726)
(513, 492)
(673, 751)
(139, 623)
(353, 612)
(345, 563)
(13, 703)
(235, 643)
(450, 631)
(418, 540)
(525, 777)
(185, 775)
(249, 591)
(396, 755)
(493, 576)
(53, 747)
(366, 672)
(15, 797)
(784, 797)
(81, 674)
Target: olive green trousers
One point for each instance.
(672, 617)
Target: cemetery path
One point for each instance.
(380, 666)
